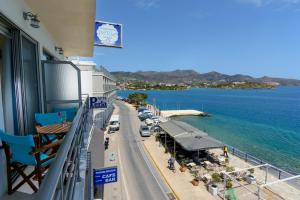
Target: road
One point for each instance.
(139, 178)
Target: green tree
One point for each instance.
(137, 98)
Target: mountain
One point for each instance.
(191, 76)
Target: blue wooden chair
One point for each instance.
(45, 119)
(70, 112)
(21, 151)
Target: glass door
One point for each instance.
(30, 83)
(7, 112)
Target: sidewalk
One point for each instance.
(180, 182)
(113, 191)
(96, 148)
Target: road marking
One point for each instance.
(131, 116)
(177, 196)
(122, 173)
(150, 167)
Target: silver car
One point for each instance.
(145, 131)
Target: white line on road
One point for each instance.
(150, 167)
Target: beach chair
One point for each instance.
(70, 112)
(45, 119)
(21, 152)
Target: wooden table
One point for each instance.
(58, 129)
(54, 128)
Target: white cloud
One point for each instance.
(146, 4)
(274, 3)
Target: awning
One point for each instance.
(198, 143)
(175, 128)
(70, 22)
(189, 137)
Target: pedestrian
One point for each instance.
(225, 149)
(171, 163)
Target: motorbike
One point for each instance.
(106, 143)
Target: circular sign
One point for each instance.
(107, 34)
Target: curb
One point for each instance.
(162, 175)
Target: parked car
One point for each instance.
(149, 122)
(146, 112)
(155, 128)
(145, 131)
(141, 109)
(145, 116)
(114, 124)
(155, 119)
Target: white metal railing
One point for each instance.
(275, 171)
(60, 180)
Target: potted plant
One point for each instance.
(229, 169)
(166, 150)
(196, 179)
(183, 167)
(213, 188)
(251, 170)
(157, 137)
(229, 184)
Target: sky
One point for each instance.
(253, 37)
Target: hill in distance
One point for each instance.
(191, 76)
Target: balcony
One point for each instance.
(66, 177)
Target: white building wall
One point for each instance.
(13, 10)
(86, 83)
(98, 84)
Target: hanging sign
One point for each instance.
(105, 175)
(108, 34)
(97, 102)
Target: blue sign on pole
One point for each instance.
(98, 102)
(105, 175)
(108, 34)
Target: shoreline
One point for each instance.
(284, 190)
(243, 124)
(248, 156)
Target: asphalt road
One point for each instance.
(141, 181)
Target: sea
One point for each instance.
(262, 122)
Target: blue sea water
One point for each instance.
(264, 123)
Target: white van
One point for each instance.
(114, 123)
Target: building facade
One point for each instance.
(36, 76)
(98, 82)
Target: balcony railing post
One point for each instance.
(61, 182)
(279, 175)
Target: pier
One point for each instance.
(174, 113)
